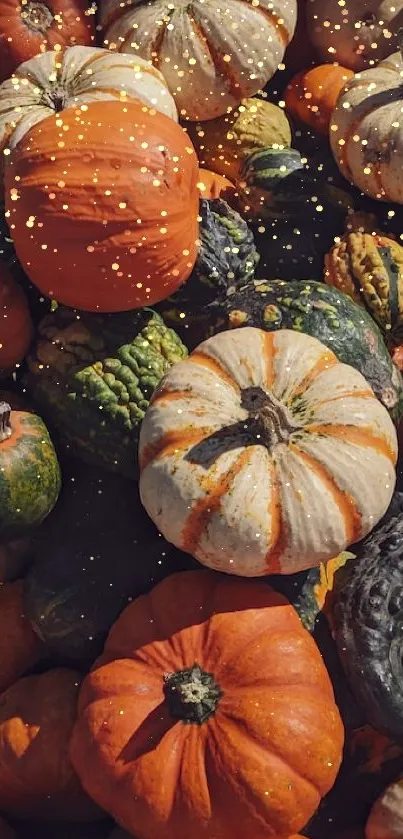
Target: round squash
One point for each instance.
(29, 28)
(358, 34)
(50, 83)
(259, 454)
(37, 780)
(16, 328)
(207, 62)
(29, 472)
(311, 95)
(20, 648)
(223, 143)
(366, 131)
(213, 186)
(119, 229)
(385, 820)
(260, 768)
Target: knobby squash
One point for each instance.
(215, 689)
(246, 405)
(16, 328)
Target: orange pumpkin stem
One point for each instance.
(192, 694)
(270, 421)
(5, 424)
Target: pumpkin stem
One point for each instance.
(192, 694)
(37, 16)
(5, 423)
(269, 420)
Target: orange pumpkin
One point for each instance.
(108, 205)
(31, 27)
(15, 322)
(312, 94)
(37, 779)
(19, 646)
(263, 741)
(212, 185)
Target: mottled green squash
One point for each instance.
(325, 313)
(93, 376)
(30, 476)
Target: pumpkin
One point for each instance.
(367, 621)
(29, 472)
(223, 143)
(366, 135)
(93, 376)
(247, 404)
(212, 185)
(214, 688)
(37, 779)
(359, 34)
(95, 552)
(368, 266)
(385, 820)
(325, 313)
(19, 647)
(50, 83)
(135, 164)
(27, 29)
(227, 259)
(208, 65)
(15, 322)
(311, 95)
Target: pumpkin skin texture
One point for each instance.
(385, 820)
(121, 264)
(37, 780)
(370, 108)
(208, 66)
(26, 30)
(311, 95)
(361, 38)
(15, 322)
(325, 313)
(54, 82)
(232, 781)
(206, 451)
(29, 472)
(223, 143)
(19, 646)
(213, 186)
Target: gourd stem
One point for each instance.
(192, 694)
(37, 16)
(270, 422)
(5, 423)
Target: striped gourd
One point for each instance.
(263, 454)
(52, 82)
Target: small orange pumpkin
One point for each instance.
(212, 185)
(15, 322)
(19, 646)
(311, 95)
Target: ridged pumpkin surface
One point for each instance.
(262, 454)
(111, 200)
(268, 740)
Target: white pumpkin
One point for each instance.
(53, 82)
(385, 820)
(263, 454)
(366, 131)
(213, 53)
(356, 33)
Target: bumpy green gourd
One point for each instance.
(93, 377)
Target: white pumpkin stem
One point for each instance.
(269, 420)
(37, 16)
(5, 422)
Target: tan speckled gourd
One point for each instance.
(224, 143)
(385, 820)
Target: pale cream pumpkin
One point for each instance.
(366, 131)
(385, 820)
(262, 454)
(54, 82)
(356, 33)
(213, 53)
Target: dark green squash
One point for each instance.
(325, 313)
(93, 376)
(96, 552)
(227, 259)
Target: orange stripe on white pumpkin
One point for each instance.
(325, 362)
(359, 436)
(214, 367)
(170, 443)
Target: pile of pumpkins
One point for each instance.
(201, 346)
